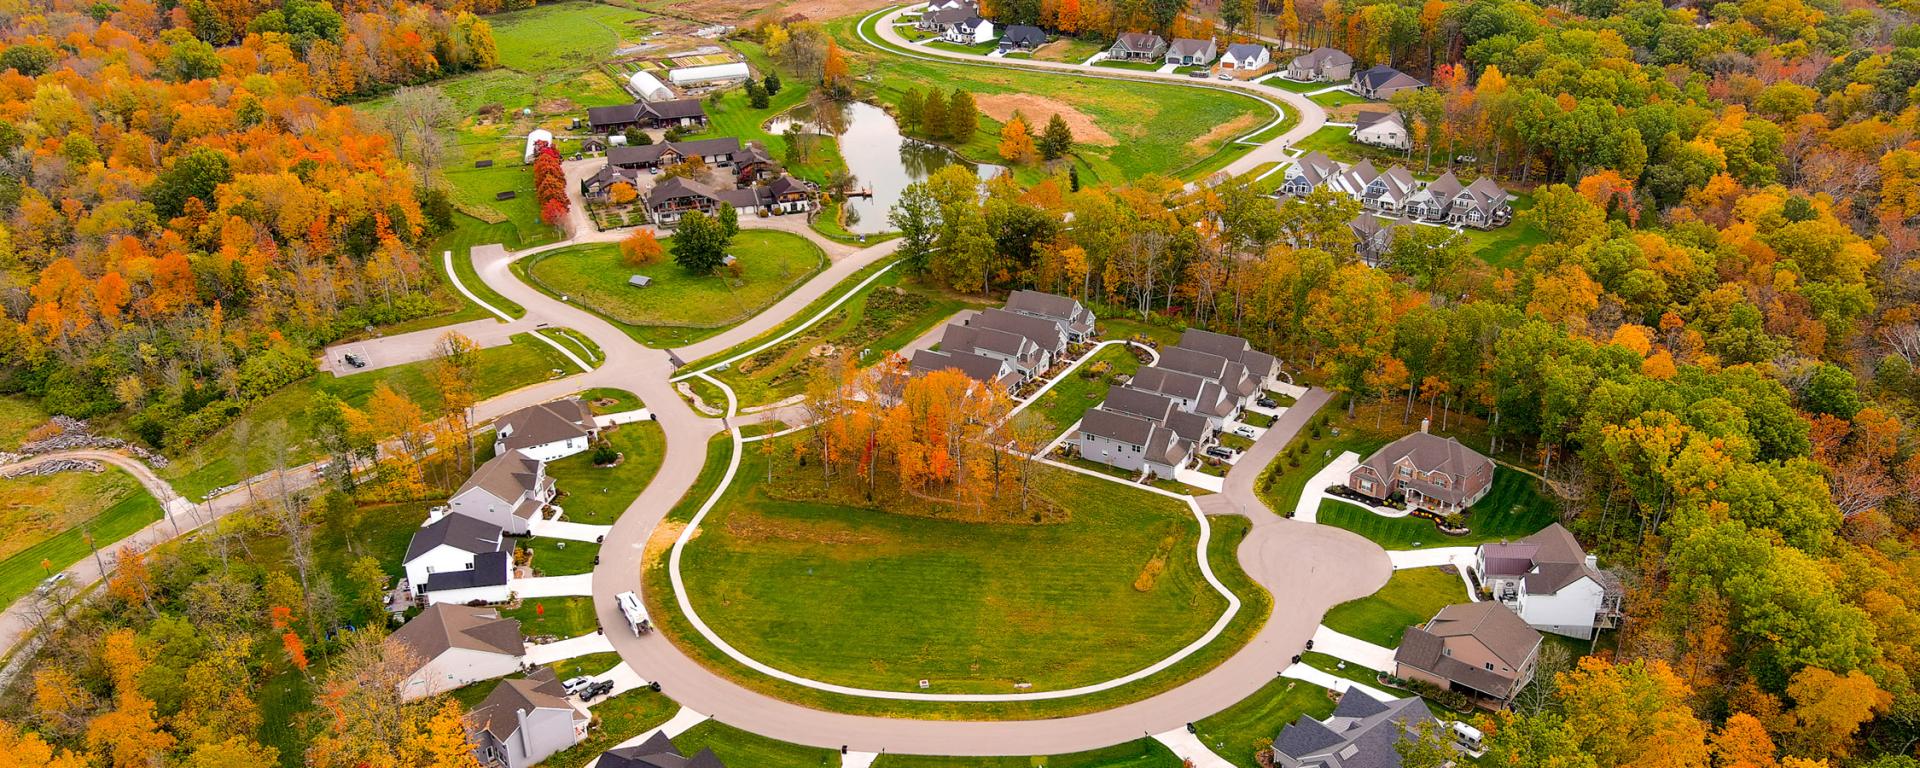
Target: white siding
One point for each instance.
(1569, 611)
(478, 503)
(440, 559)
(456, 667)
(1111, 452)
(498, 594)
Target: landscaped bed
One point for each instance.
(1410, 597)
(1141, 753)
(970, 606)
(1070, 398)
(1511, 510)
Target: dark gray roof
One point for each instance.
(442, 626)
(675, 109)
(1187, 46)
(1229, 347)
(1040, 331)
(1193, 361)
(1245, 51)
(977, 367)
(1191, 427)
(1384, 76)
(1170, 382)
(618, 114)
(1140, 41)
(467, 534)
(1138, 402)
(1119, 427)
(1023, 34)
(1361, 733)
(1166, 447)
(1322, 57)
(490, 569)
(658, 751)
(966, 338)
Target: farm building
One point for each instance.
(533, 142)
(712, 73)
(647, 87)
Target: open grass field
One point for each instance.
(1410, 597)
(48, 518)
(1070, 49)
(1507, 247)
(1332, 99)
(742, 748)
(1144, 753)
(621, 717)
(1239, 732)
(597, 495)
(277, 427)
(560, 557)
(18, 416)
(567, 35)
(800, 585)
(1063, 405)
(1513, 509)
(595, 275)
(888, 314)
(561, 617)
(1156, 128)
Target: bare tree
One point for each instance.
(417, 119)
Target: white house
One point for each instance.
(1130, 443)
(1381, 128)
(1246, 57)
(449, 543)
(972, 31)
(1553, 584)
(534, 138)
(526, 720)
(487, 582)
(711, 73)
(509, 491)
(456, 645)
(547, 431)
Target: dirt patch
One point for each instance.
(661, 541)
(1039, 109)
(1150, 573)
(1228, 130)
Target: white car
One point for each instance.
(1244, 431)
(577, 684)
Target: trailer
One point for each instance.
(635, 612)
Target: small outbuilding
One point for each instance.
(647, 87)
(639, 281)
(534, 138)
(712, 73)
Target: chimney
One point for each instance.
(520, 721)
(1593, 562)
(1424, 423)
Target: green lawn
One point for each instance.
(560, 557)
(735, 117)
(621, 717)
(979, 50)
(1337, 142)
(564, 36)
(575, 342)
(888, 314)
(18, 416)
(1289, 85)
(561, 617)
(798, 318)
(276, 428)
(1142, 753)
(1507, 247)
(1137, 66)
(801, 584)
(1063, 405)
(1513, 509)
(736, 747)
(1410, 597)
(590, 664)
(1239, 732)
(1070, 49)
(1336, 99)
(1156, 127)
(617, 401)
(595, 275)
(48, 519)
(598, 495)
(1354, 672)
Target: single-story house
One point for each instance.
(1137, 46)
(1382, 82)
(1022, 37)
(1074, 319)
(455, 645)
(718, 153)
(711, 73)
(1482, 650)
(487, 582)
(1372, 237)
(1362, 731)
(1551, 583)
(1308, 173)
(1246, 57)
(981, 368)
(448, 543)
(1320, 65)
(661, 113)
(1381, 128)
(658, 752)
(1130, 443)
(1435, 200)
(599, 186)
(547, 431)
(509, 490)
(1261, 365)
(674, 197)
(525, 720)
(1433, 473)
(939, 19)
(973, 31)
(1189, 52)
(1482, 205)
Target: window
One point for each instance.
(1489, 666)
(1446, 651)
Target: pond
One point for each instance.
(880, 159)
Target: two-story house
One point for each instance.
(1373, 236)
(980, 368)
(1553, 584)
(547, 431)
(1137, 46)
(449, 543)
(1435, 200)
(1074, 319)
(454, 645)
(1131, 443)
(1433, 473)
(1482, 205)
(1311, 171)
(1043, 332)
(1482, 650)
(1262, 366)
(524, 721)
(1389, 192)
(1381, 128)
(509, 491)
(1019, 351)
(1362, 732)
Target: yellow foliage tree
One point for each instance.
(1016, 141)
(641, 248)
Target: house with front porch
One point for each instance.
(1389, 192)
(1482, 205)
(1022, 37)
(1137, 46)
(1435, 200)
(1308, 173)
(1373, 236)
(1189, 52)
(1245, 58)
(1320, 65)
(973, 31)
(1382, 82)
(1433, 473)
(525, 720)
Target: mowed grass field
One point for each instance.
(1069, 399)
(277, 428)
(1143, 753)
(1238, 733)
(46, 519)
(1410, 597)
(1511, 510)
(597, 495)
(595, 275)
(1158, 128)
(882, 600)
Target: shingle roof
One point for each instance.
(977, 367)
(1361, 733)
(546, 423)
(1023, 34)
(1548, 560)
(1191, 427)
(507, 476)
(1140, 41)
(1244, 51)
(1384, 76)
(540, 690)
(1323, 57)
(1138, 402)
(442, 626)
(1119, 427)
(617, 114)
(1166, 447)
(967, 338)
(658, 751)
(1365, 118)
(467, 534)
(1492, 624)
(490, 569)
(1187, 46)
(1039, 330)
(1212, 343)
(1193, 361)
(1429, 453)
(675, 109)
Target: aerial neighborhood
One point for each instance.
(953, 383)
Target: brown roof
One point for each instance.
(1494, 625)
(1429, 453)
(539, 690)
(507, 476)
(441, 627)
(1549, 560)
(547, 423)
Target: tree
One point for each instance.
(912, 109)
(235, 752)
(1429, 745)
(418, 118)
(621, 193)
(1016, 143)
(28, 59)
(963, 117)
(933, 116)
(771, 82)
(699, 244)
(641, 248)
(834, 73)
(1830, 708)
(1057, 140)
(193, 176)
(729, 220)
(756, 95)
(917, 217)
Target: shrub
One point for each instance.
(604, 455)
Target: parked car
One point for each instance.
(1226, 76)
(1244, 431)
(355, 360)
(596, 690)
(577, 685)
(1268, 402)
(50, 582)
(1221, 452)
(1199, 73)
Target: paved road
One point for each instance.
(1312, 116)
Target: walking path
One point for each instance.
(1333, 682)
(1190, 749)
(578, 585)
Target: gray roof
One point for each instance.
(1548, 561)
(658, 751)
(1229, 347)
(674, 109)
(1244, 51)
(1429, 453)
(1484, 193)
(618, 114)
(1140, 41)
(1366, 225)
(1323, 57)
(1191, 427)
(1166, 447)
(952, 15)
(1367, 117)
(640, 281)
(1361, 733)
(1193, 361)
(1023, 34)
(1315, 166)
(1384, 76)
(508, 476)
(1119, 427)
(441, 627)
(467, 534)
(977, 367)
(1138, 402)
(966, 338)
(496, 714)
(1039, 330)
(1187, 46)
(546, 423)
(650, 153)
(1492, 624)
(490, 569)
(1442, 189)
(1052, 306)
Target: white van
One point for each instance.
(635, 612)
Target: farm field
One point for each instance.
(277, 427)
(678, 303)
(48, 519)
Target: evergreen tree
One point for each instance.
(1057, 140)
(729, 220)
(699, 243)
(1073, 178)
(963, 117)
(771, 83)
(933, 116)
(912, 109)
(756, 95)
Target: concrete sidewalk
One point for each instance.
(548, 653)
(561, 529)
(1189, 748)
(1330, 682)
(1352, 650)
(1307, 509)
(577, 585)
